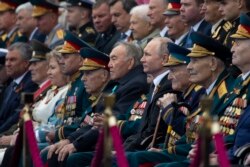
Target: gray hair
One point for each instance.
(141, 11)
(132, 51)
(163, 48)
(24, 49)
(26, 6)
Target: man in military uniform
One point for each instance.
(26, 24)
(177, 29)
(8, 23)
(79, 19)
(236, 102)
(95, 77)
(220, 27)
(47, 14)
(239, 109)
(231, 12)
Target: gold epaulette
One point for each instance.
(227, 26)
(222, 89)
(60, 33)
(197, 88)
(90, 30)
(19, 34)
(3, 36)
(75, 76)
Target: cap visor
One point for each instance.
(170, 13)
(88, 68)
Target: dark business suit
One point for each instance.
(105, 41)
(10, 108)
(149, 119)
(204, 28)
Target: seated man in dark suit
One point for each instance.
(17, 64)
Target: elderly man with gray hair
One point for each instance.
(141, 26)
(27, 24)
(17, 64)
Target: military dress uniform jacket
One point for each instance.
(86, 120)
(55, 37)
(10, 109)
(87, 33)
(105, 41)
(13, 36)
(223, 85)
(179, 112)
(76, 102)
(131, 124)
(242, 135)
(221, 31)
(149, 119)
(234, 26)
(234, 106)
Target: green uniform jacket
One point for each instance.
(76, 101)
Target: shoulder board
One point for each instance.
(54, 87)
(227, 26)
(246, 82)
(222, 89)
(19, 34)
(60, 33)
(197, 88)
(4, 36)
(143, 97)
(90, 30)
(216, 33)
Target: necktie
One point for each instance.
(11, 91)
(151, 91)
(189, 42)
